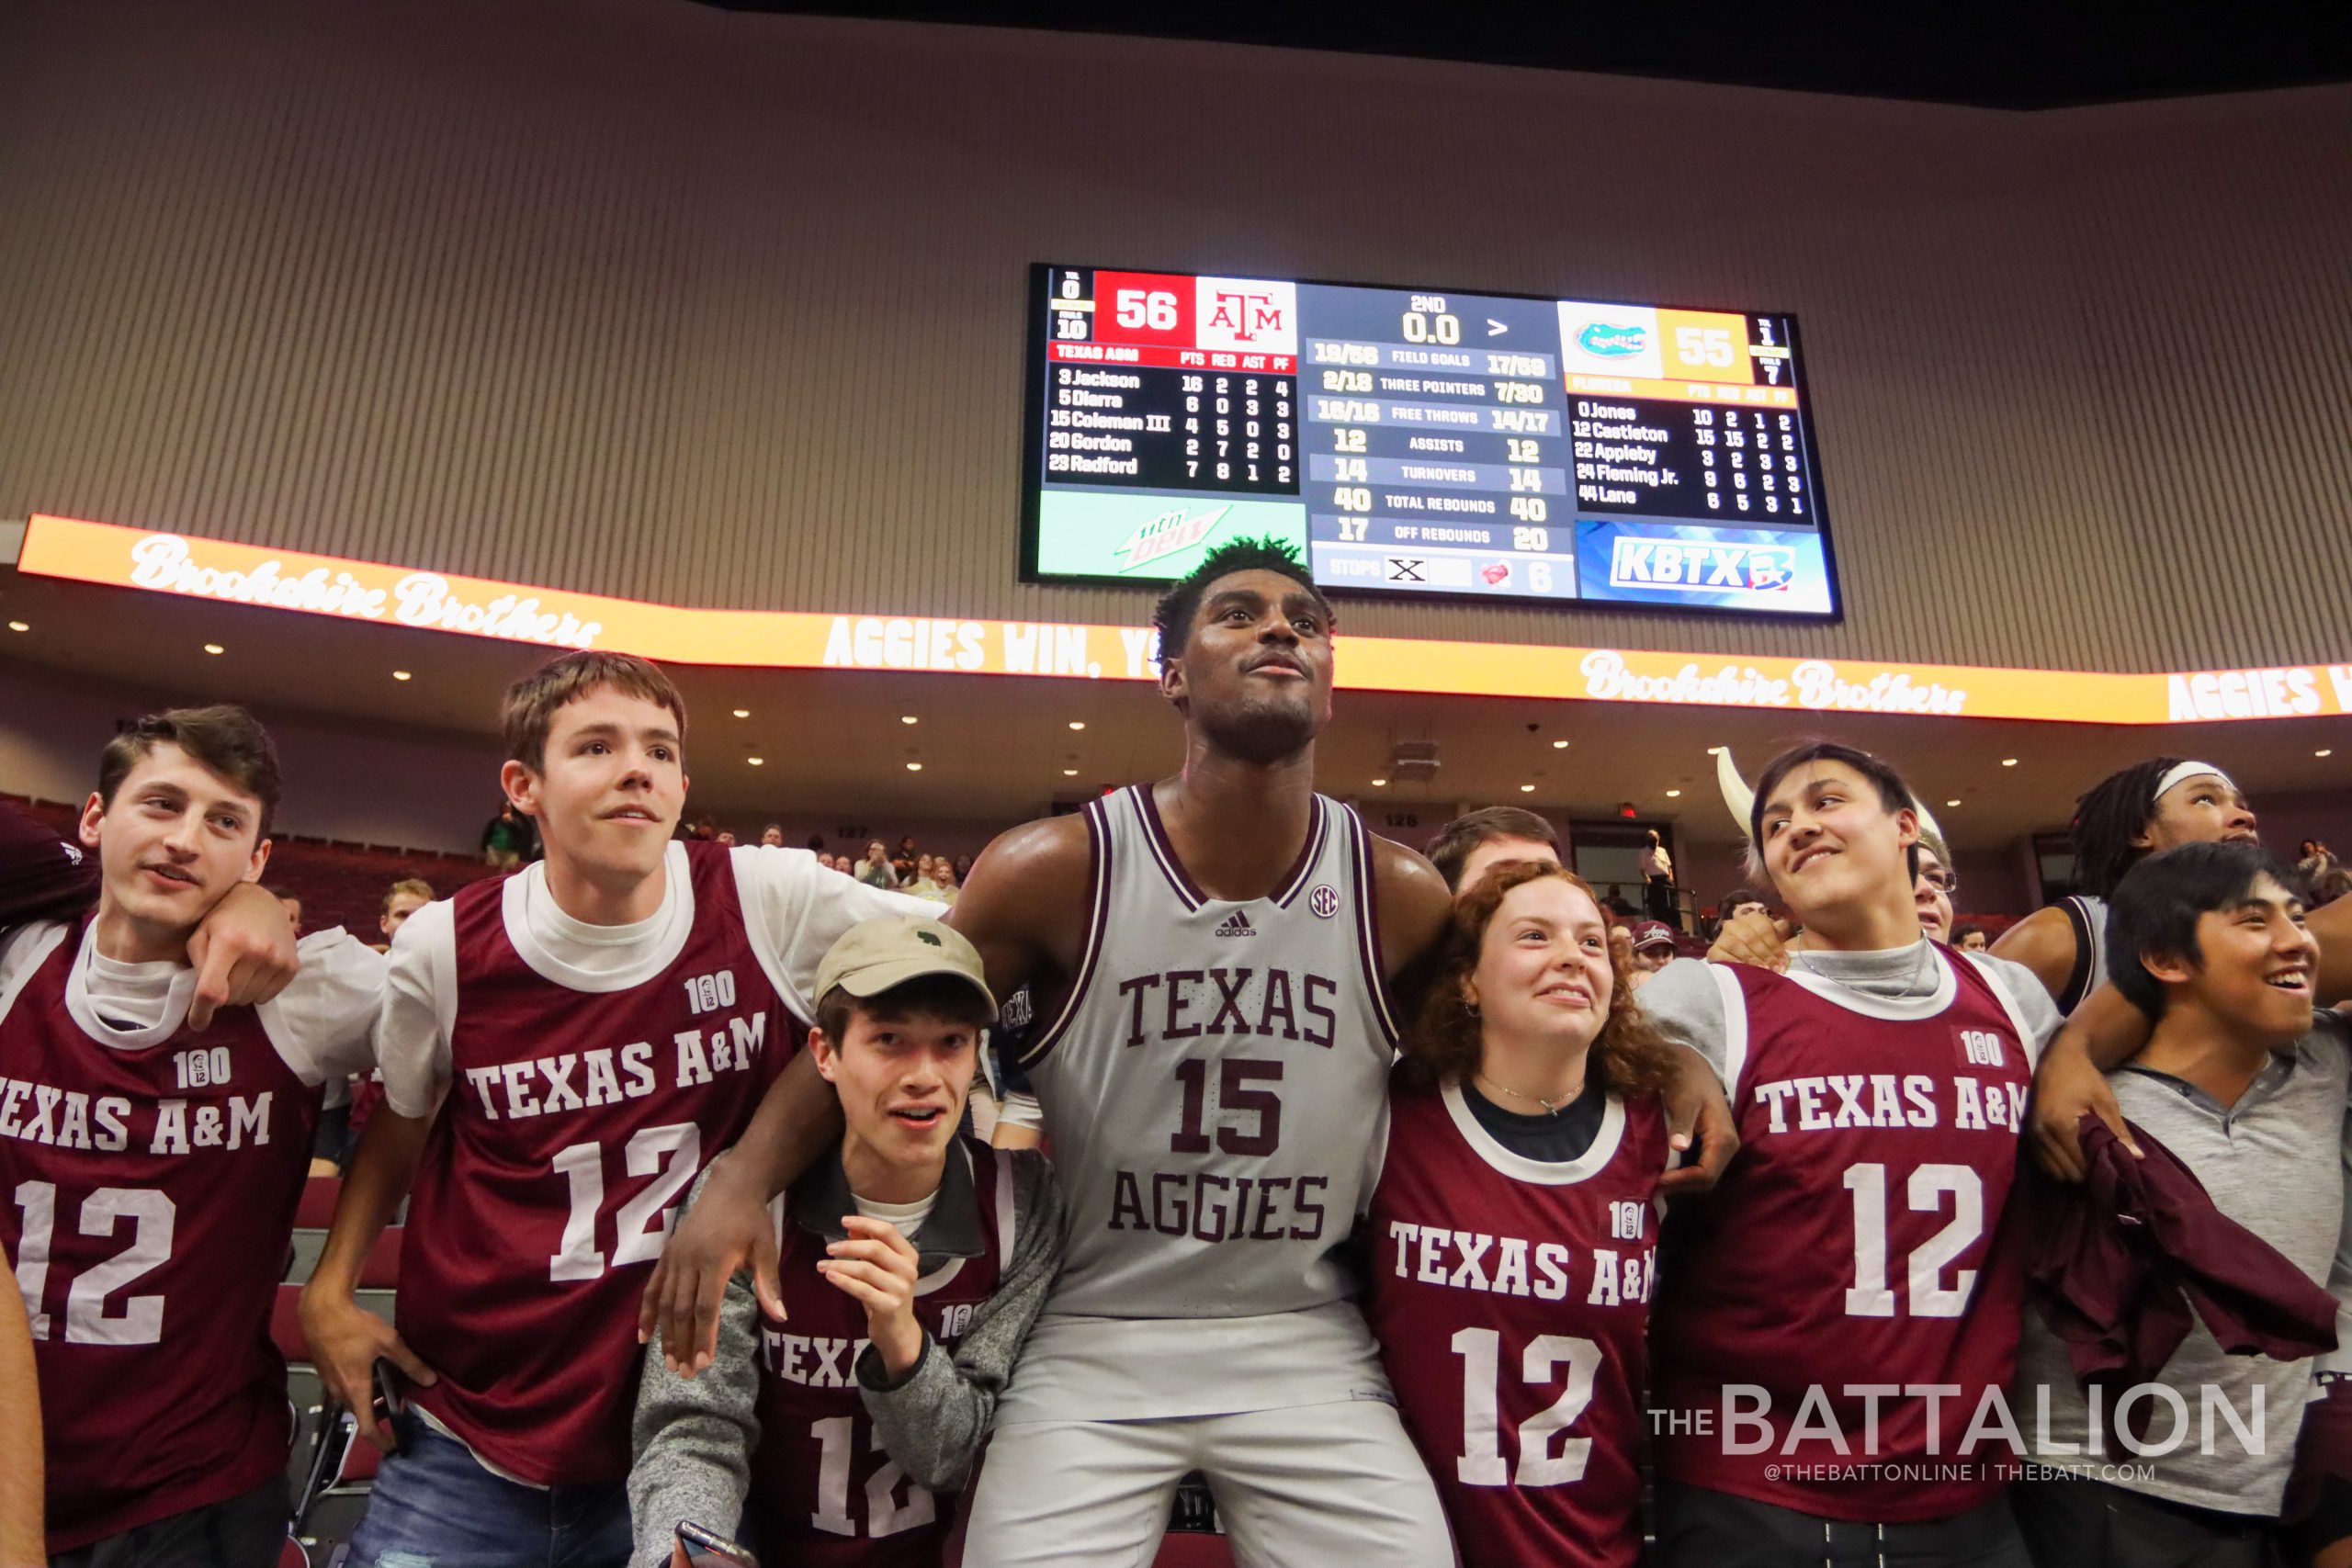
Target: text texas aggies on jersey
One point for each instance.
(822, 1494)
(148, 1175)
(1852, 1263)
(1535, 1276)
(579, 1110)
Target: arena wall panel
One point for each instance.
(641, 298)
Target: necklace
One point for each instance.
(1551, 1108)
(1910, 986)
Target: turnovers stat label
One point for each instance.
(1414, 441)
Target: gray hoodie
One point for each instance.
(694, 1436)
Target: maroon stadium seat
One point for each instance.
(382, 1269)
(291, 1555)
(317, 1210)
(285, 1324)
(1187, 1550)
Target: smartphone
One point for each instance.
(388, 1388)
(708, 1549)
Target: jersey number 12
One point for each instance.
(1482, 1462)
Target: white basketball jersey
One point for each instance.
(1213, 1084)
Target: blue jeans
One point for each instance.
(434, 1507)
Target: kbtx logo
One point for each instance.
(1685, 566)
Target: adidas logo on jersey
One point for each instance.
(1237, 924)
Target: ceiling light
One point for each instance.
(914, 767)
(2324, 751)
(1714, 750)
(742, 712)
(1069, 772)
(909, 719)
(2009, 762)
(1672, 793)
(1559, 745)
(755, 761)
(1951, 803)
(401, 675)
(1077, 724)
(18, 626)
(1380, 784)
(1527, 789)
(214, 647)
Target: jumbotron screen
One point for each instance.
(1424, 442)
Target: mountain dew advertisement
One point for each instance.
(1151, 538)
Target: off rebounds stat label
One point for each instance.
(1414, 441)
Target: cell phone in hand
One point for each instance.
(388, 1388)
(708, 1549)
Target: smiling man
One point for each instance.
(149, 1166)
(562, 1049)
(1845, 1279)
(2245, 1083)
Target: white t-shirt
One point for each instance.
(794, 911)
(322, 1023)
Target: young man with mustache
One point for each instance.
(150, 1163)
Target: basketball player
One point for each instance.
(150, 1168)
(1510, 1227)
(914, 1261)
(1215, 954)
(1477, 842)
(1849, 1267)
(2125, 817)
(561, 1049)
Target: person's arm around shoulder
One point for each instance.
(22, 1542)
(2043, 942)
(326, 1018)
(693, 1437)
(932, 1419)
(1684, 1003)
(2070, 1081)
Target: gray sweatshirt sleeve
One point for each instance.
(693, 1437)
(1683, 1000)
(2040, 1014)
(932, 1422)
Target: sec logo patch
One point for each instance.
(1324, 900)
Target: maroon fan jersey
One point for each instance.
(823, 1495)
(1853, 1249)
(147, 1195)
(574, 1125)
(1511, 1298)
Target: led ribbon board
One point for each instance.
(220, 572)
(1414, 441)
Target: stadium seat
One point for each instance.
(382, 1269)
(1192, 1550)
(285, 1324)
(291, 1555)
(317, 1210)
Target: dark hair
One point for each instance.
(1173, 615)
(1739, 895)
(2108, 816)
(926, 995)
(2155, 909)
(2334, 882)
(1454, 843)
(527, 714)
(222, 737)
(1959, 932)
(1892, 792)
(1629, 1056)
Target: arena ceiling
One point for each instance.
(2008, 56)
(1003, 748)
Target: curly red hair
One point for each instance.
(1446, 1043)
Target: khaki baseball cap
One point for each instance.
(875, 954)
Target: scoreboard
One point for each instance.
(1414, 441)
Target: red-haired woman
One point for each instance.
(1511, 1226)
